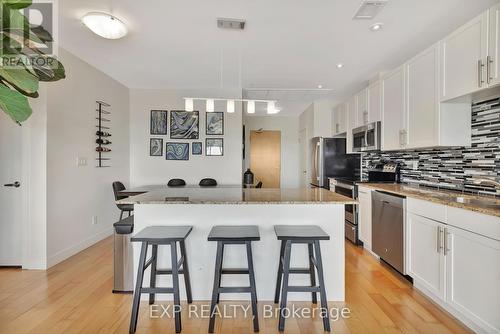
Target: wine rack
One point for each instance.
(103, 134)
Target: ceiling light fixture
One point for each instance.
(230, 106)
(340, 65)
(376, 26)
(210, 105)
(105, 25)
(251, 107)
(189, 105)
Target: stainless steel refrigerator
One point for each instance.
(329, 159)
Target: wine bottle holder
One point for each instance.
(103, 135)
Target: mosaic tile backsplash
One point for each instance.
(454, 168)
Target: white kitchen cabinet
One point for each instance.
(422, 90)
(493, 60)
(375, 102)
(394, 132)
(425, 255)
(362, 108)
(463, 57)
(473, 277)
(365, 216)
(351, 121)
(339, 119)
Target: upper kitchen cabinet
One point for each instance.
(463, 59)
(393, 112)
(375, 101)
(339, 118)
(351, 121)
(493, 59)
(362, 108)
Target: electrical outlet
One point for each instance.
(415, 164)
(80, 162)
(94, 220)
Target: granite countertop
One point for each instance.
(445, 197)
(230, 195)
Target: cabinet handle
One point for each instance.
(489, 62)
(480, 73)
(446, 249)
(439, 239)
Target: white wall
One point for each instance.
(76, 194)
(157, 170)
(289, 127)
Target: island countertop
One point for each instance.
(237, 195)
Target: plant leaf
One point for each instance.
(16, 4)
(42, 34)
(20, 78)
(14, 104)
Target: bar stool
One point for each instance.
(156, 236)
(233, 235)
(301, 234)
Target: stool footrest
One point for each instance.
(299, 271)
(167, 271)
(235, 289)
(235, 271)
(303, 289)
(157, 290)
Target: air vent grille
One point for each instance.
(235, 24)
(369, 9)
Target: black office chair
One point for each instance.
(117, 187)
(208, 183)
(259, 185)
(176, 183)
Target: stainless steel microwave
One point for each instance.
(366, 138)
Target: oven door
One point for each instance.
(350, 209)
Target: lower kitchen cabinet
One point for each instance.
(425, 254)
(365, 216)
(473, 277)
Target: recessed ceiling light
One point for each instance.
(340, 65)
(105, 25)
(320, 86)
(376, 26)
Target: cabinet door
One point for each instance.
(361, 108)
(426, 262)
(422, 80)
(339, 119)
(393, 111)
(493, 61)
(463, 58)
(473, 277)
(365, 216)
(375, 102)
(351, 121)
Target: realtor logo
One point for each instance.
(29, 32)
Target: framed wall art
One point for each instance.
(197, 148)
(177, 151)
(158, 122)
(215, 123)
(214, 146)
(184, 124)
(155, 147)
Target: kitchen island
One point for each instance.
(203, 208)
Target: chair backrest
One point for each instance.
(176, 183)
(117, 187)
(208, 183)
(259, 185)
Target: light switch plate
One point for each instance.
(80, 162)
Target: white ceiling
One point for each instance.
(286, 43)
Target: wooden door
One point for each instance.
(265, 157)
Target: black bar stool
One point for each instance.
(156, 236)
(301, 234)
(233, 235)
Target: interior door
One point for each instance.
(10, 192)
(265, 157)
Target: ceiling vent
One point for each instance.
(234, 24)
(369, 9)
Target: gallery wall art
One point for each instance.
(184, 124)
(214, 146)
(156, 147)
(177, 151)
(197, 148)
(158, 122)
(215, 123)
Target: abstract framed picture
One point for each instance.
(215, 123)
(197, 148)
(177, 151)
(158, 122)
(155, 147)
(184, 124)
(214, 146)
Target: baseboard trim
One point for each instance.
(70, 251)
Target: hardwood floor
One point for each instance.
(75, 297)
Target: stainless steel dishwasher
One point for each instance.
(388, 228)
